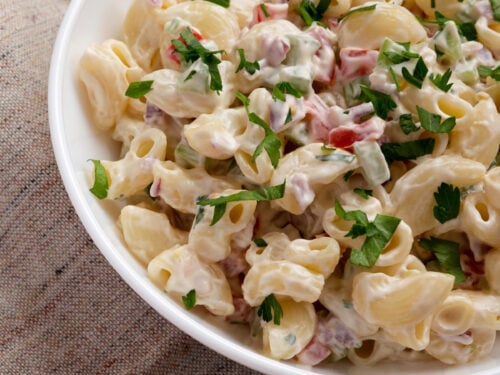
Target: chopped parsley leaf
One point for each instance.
(467, 29)
(270, 309)
(189, 299)
(495, 7)
(267, 194)
(432, 122)
(382, 103)
(264, 10)
(447, 202)
(378, 234)
(406, 123)
(441, 81)
(485, 71)
(260, 242)
(282, 88)
(400, 53)
(310, 13)
(407, 150)
(270, 143)
(419, 74)
(357, 10)
(138, 89)
(101, 186)
(222, 3)
(447, 254)
(250, 67)
(191, 50)
(363, 193)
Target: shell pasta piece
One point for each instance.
(169, 269)
(295, 330)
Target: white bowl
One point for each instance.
(75, 141)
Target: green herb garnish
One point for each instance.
(441, 81)
(400, 55)
(267, 194)
(406, 123)
(419, 73)
(260, 242)
(447, 202)
(250, 67)
(101, 186)
(357, 10)
(193, 50)
(407, 150)
(485, 71)
(432, 122)
(270, 309)
(447, 254)
(270, 143)
(467, 29)
(189, 299)
(264, 10)
(282, 88)
(310, 13)
(138, 89)
(347, 158)
(363, 193)
(378, 234)
(382, 103)
(495, 7)
(222, 3)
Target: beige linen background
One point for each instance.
(63, 309)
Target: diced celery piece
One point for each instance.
(352, 90)
(371, 159)
(187, 157)
(195, 79)
(299, 76)
(302, 48)
(467, 72)
(298, 134)
(390, 46)
(448, 42)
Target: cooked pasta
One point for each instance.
(323, 172)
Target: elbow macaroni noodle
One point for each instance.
(198, 166)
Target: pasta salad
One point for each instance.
(322, 172)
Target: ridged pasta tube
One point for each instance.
(106, 70)
(367, 30)
(295, 330)
(413, 194)
(283, 278)
(147, 233)
(394, 301)
(179, 270)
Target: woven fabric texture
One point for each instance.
(63, 309)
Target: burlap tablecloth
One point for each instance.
(63, 309)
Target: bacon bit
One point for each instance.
(324, 56)
(355, 63)
(317, 114)
(235, 263)
(155, 189)
(315, 352)
(469, 265)
(241, 311)
(174, 56)
(274, 12)
(274, 48)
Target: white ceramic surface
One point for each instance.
(75, 141)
